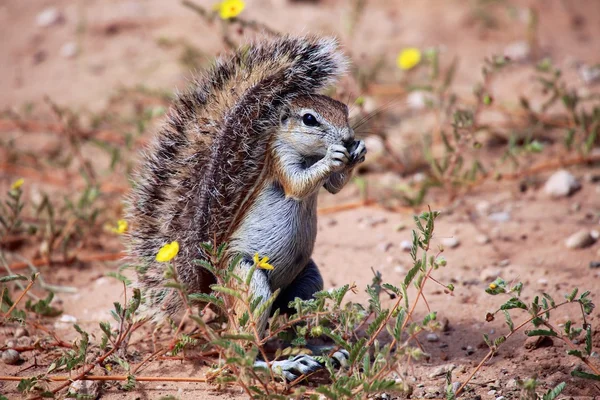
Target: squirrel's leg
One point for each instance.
(307, 283)
(338, 180)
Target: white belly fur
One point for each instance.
(282, 229)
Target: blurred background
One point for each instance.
(488, 110)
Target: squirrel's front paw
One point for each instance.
(337, 157)
(358, 152)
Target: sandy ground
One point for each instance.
(119, 45)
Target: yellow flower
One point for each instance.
(408, 58)
(262, 263)
(230, 8)
(493, 286)
(167, 252)
(17, 184)
(121, 227)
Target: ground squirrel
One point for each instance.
(240, 160)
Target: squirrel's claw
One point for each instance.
(304, 364)
(340, 358)
(300, 365)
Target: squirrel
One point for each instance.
(240, 160)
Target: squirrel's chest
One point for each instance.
(281, 228)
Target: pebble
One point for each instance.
(543, 281)
(504, 263)
(20, 332)
(24, 341)
(482, 239)
(500, 398)
(500, 216)
(594, 264)
(450, 242)
(406, 245)
(418, 99)
(88, 389)
(489, 274)
(483, 208)
(561, 184)
(432, 337)
(534, 342)
(589, 74)
(400, 269)
(384, 247)
(442, 370)
(69, 50)
(511, 384)
(470, 350)
(11, 357)
(518, 51)
(580, 240)
(492, 392)
(48, 17)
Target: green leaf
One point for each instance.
(513, 303)
(571, 296)
(429, 317)
(575, 353)
(266, 305)
(226, 290)
(207, 298)
(585, 375)
(10, 278)
(553, 393)
(412, 273)
(541, 332)
(509, 321)
(374, 326)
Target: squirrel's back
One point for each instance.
(197, 177)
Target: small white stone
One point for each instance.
(501, 216)
(579, 240)
(543, 281)
(432, 337)
(69, 50)
(518, 51)
(418, 99)
(489, 274)
(89, 389)
(482, 239)
(400, 269)
(50, 16)
(69, 319)
(450, 242)
(11, 357)
(406, 245)
(589, 74)
(483, 208)
(384, 247)
(561, 184)
(20, 332)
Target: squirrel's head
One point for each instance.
(311, 123)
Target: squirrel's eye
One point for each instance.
(309, 120)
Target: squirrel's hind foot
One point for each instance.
(304, 364)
